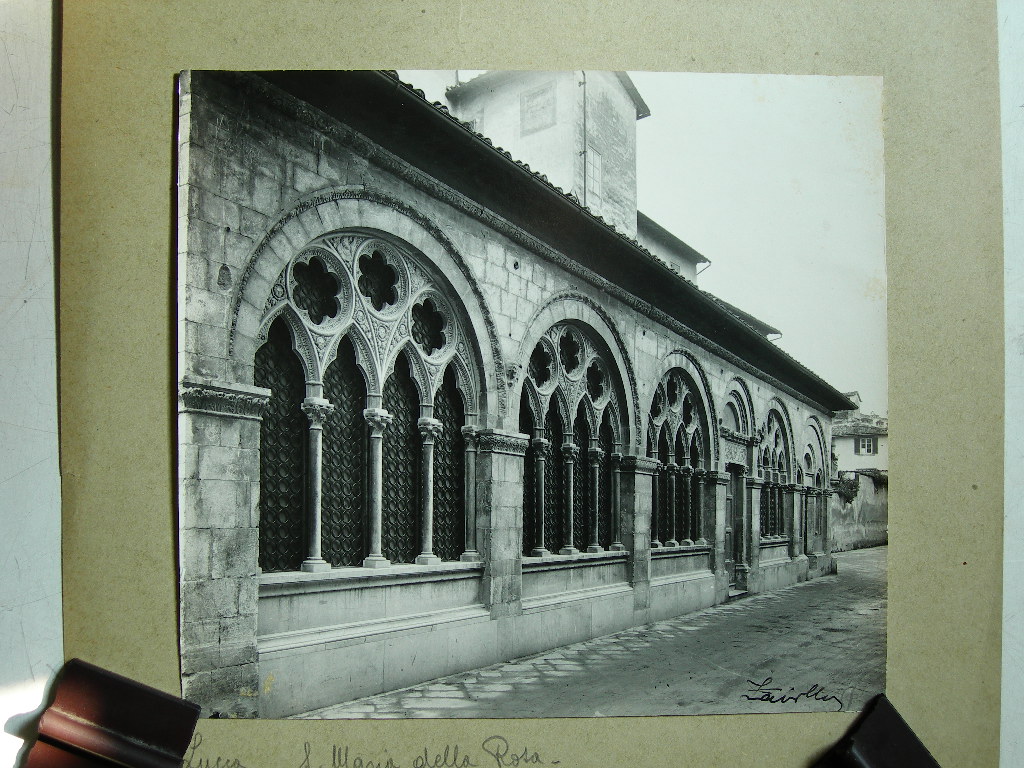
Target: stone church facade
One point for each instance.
(436, 414)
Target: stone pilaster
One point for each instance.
(656, 491)
(430, 430)
(317, 410)
(219, 474)
(595, 455)
(570, 454)
(719, 487)
(636, 493)
(469, 436)
(378, 420)
(792, 508)
(753, 541)
(500, 458)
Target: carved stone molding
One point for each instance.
(718, 478)
(642, 465)
(430, 429)
(238, 401)
(508, 443)
(378, 419)
(317, 409)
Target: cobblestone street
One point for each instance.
(828, 632)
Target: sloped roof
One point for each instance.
(398, 117)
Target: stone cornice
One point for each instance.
(640, 464)
(219, 398)
(508, 443)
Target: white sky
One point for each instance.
(778, 180)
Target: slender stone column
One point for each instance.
(616, 545)
(595, 455)
(541, 454)
(570, 453)
(805, 519)
(317, 409)
(700, 477)
(430, 429)
(685, 473)
(656, 494)
(672, 500)
(378, 420)
(469, 436)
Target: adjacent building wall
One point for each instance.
(863, 521)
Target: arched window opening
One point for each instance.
(683, 485)
(663, 511)
(282, 453)
(606, 442)
(732, 418)
(532, 538)
(401, 466)
(449, 469)
(344, 465)
(554, 511)
(581, 485)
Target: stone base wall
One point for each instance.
(864, 521)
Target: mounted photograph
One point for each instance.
(530, 394)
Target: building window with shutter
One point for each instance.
(865, 445)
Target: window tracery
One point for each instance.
(377, 350)
(775, 469)
(572, 501)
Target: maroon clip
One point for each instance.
(879, 739)
(98, 718)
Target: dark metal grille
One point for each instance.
(343, 508)
(763, 511)
(400, 526)
(606, 442)
(449, 469)
(581, 483)
(554, 513)
(283, 436)
(664, 511)
(683, 506)
(694, 511)
(531, 523)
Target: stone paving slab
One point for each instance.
(828, 632)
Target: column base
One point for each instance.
(686, 542)
(540, 552)
(376, 561)
(671, 543)
(595, 548)
(655, 544)
(427, 558)
(701, 542)
(568, 551)
(617, 547)
(470, 556)
(315, 565)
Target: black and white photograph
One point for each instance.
(530, 394)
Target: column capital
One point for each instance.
(595, 455)
(616, 458)
(541, 446)
(220, 398)
(470, 434)
(686, 471)
(755, 482)
(317, 409)
(718, 478)
(378, 419)
(429, 428)
(791, 487)
(570, 452)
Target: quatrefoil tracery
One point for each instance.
(378, 295)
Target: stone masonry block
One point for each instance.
(304, 181)
(200, 658)
(266, 195)
(248, 596)
(237, 630)
(219, 463)
(226, 692)
(210, 598)
(195, 555)
(199, 429)
(234, 552)
(198, 633)
(252, 224)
